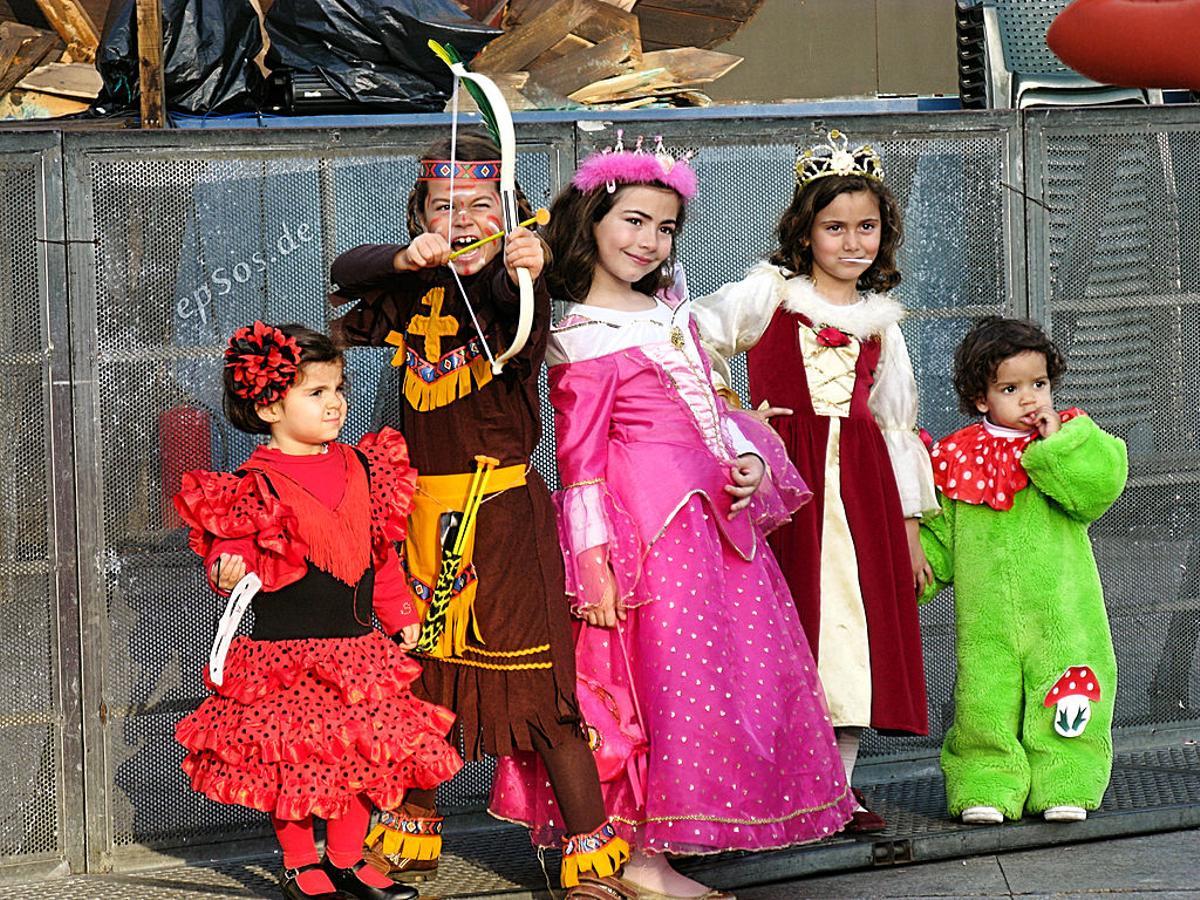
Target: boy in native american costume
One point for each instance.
(482, 554)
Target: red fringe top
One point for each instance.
(324, 513)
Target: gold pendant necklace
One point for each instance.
(677, 337)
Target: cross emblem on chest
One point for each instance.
(434, 326)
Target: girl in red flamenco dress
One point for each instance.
(312, 715)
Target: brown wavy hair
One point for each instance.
(314, 348)
(471, 147)
(573, 243)
(991, 341)
(796, 224)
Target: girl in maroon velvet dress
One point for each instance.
(827, 359)
(311, 715)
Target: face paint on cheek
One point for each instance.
(492, 221)
(438, 224)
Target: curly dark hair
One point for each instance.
(471, 147)
(573, 243)
(796, 223)
(314, 348)
(990, 342)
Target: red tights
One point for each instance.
(343, 846)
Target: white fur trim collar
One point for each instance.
(869, 317)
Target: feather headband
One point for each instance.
(616, 165)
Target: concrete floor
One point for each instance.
(1142, 842)
(1159, 866)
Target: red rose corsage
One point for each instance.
(832, 337)
(264, 362)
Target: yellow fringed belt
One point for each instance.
(447, 612)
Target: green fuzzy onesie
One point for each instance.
(1029, 615)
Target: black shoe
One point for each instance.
(346, 881)
(291, 890)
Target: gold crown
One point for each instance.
(834, 157)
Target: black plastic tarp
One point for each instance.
(375, 51)
(369, 51)
(208, 48)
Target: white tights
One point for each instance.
(848, 740)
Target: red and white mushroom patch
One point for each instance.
(1071, 697)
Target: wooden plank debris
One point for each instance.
(691, 64)
(31, 53)
(36, 105)
(604, 21)
(519, 46)
(699, 23)
(661, 73)
(74, 26)
(562, 48)
(631, 84)
(581, 67)
(151, 80)
(79, 80)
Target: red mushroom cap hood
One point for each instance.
(1076, 681)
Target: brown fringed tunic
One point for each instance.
(522, 678)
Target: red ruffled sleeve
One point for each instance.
(393, 481)
(219, 506)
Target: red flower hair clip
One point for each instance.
(264, 362)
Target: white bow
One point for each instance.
(508, 196)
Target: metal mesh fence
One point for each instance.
(188, 248)
(1114, 271)
(197, 234)
(31, 722)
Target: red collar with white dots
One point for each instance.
(981, 464)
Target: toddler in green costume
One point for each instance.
(1037, 674)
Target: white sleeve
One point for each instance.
(893, 402)
(741, 443)
(733, 318)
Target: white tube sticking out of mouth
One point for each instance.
(858, 259)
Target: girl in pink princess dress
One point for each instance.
(701, 696)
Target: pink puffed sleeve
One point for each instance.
(597, 534)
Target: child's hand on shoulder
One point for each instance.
(523, 250)
(1045, 419)
(227, 571)
(746, 474)
(427, 251)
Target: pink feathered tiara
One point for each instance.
(616, 165)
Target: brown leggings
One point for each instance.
(572, 771)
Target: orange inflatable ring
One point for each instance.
(1132, 43)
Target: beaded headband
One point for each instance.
(264, 362)
(616, 165)
(834, 157)
(441, 169)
